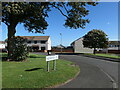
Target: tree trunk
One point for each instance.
(10, 44)
(94, 50)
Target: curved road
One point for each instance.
(94, 73)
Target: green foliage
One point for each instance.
(20, 51)
(33, 14)
(95, 39)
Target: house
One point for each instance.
(2, 45)
(79, 48)
(113, 47)
(38, 43)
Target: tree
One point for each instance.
(95, 39)
(33, 15)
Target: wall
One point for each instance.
(79, 48)
(2, 46)
(70, 50)
(49, 44)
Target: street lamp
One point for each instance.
(61, 41)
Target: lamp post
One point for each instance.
(61, 41)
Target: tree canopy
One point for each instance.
(33, 16)
(95, 39)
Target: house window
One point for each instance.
(42, 48)
(116, 45)
(109, 45)
(43, 42)
(29, 42)
(35, 42)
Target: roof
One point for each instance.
(60, 46)
(76, 40)
(2, 42)
(35, 37)
(110, 42)
(114, 42)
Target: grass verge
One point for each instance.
(106, 55)
(32, 73)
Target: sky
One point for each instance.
(104, 16)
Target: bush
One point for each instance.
(20, 51)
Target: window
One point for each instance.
(29, 42)
(43, 42)
(35, 42)
(42, 48)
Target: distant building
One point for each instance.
(113, 47)
(2, 45)
(79, 48)
(38, 43)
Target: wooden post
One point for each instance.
(54, 64)
(48, 66)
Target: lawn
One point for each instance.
(32, 73)
(105, 55)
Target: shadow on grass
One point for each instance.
(36, 57)
(33, 69)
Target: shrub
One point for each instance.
(20, 51)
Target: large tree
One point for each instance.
(95, 39)
(33, 16)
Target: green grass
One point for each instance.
(14, 74)
(105, 55)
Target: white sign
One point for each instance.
(52, 57)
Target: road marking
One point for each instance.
(113, 81)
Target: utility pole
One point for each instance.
(61, 42)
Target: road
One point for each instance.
(94, 73)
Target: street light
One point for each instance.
(61, 41)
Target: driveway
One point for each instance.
(94, 73)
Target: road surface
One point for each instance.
(94, 73)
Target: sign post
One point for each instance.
(48, 66)
(51, 58)
(54, 64)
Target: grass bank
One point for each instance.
(105, 55)
(32, 73)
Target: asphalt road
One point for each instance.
(94, 73)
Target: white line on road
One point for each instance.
(113, 81)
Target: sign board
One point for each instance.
(52, 57)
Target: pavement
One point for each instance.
(94, 73)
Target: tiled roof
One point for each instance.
(115, 42)
(36, 37)
(2, 42)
